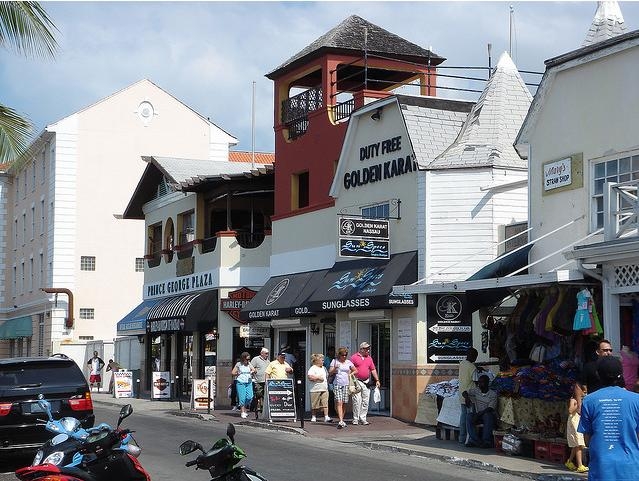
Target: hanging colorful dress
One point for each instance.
(583, 316)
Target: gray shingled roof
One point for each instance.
(349, 35)
(607, 23)
(183, 173)
(486, 139)
(432, 124)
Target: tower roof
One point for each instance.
(350, 37)
(607, 23)
(486, 139)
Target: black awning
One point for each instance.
(186, 313)
(366, 284)
(283, 296)
(502, 266)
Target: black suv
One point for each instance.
(61, 382)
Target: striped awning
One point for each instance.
(16, 328)
(189, 312)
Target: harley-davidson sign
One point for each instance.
(236, 300)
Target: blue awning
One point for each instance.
(134, 323)
(16, 328)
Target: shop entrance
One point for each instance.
(296, 341)
(378, 335)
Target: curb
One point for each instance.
(468, 463)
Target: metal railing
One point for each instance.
(621, 209)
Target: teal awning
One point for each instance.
(16, 328)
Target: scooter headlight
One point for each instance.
(38, 458)
(54, 458)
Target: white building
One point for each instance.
(62, 203)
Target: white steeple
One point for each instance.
(608, 23)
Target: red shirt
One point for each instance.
(364, 366)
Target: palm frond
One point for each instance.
(27, 28)
(15, 134)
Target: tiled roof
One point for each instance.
(349, 35)
(183, 173)
(487, 137)
(432, 124)
(260, 157)
(607, 23)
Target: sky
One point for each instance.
(208, 54)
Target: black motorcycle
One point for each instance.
(221, 459)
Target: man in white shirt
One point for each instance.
(484, 409)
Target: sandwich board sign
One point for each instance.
(280, 397)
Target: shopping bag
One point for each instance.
(354, 387)
(377, 396)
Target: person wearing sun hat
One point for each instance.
(610, 425)
(367, 377)
(279, 368)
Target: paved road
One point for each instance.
(279, 456)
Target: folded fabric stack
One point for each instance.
(443, 389)
(551, 381)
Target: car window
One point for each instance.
(36, 373)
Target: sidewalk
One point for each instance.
(383, 434)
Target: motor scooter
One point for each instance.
(101, 453)
(221, 459)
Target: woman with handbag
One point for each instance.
(341, 367)
(244, 372)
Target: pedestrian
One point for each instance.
(95, 366)
(318, 375)
(610, 423)
(589, 379)
(244, 371)
(466, 370)
(279, 368)
(341, 367)
(574, 438)
(482, 402)
(260, 363)
(112, 366)
(233, 390)
(367, 377)
(328, 358)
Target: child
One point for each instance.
(575, 439)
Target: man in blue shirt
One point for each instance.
(610, 424)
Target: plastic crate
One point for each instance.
(542, 450)
(557, 452)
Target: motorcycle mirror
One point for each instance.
(125, 412)
(189, 446)
(230, 432)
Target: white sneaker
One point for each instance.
(328, 420)
(313, 419)
(244, 415)
(341, 425)
(234, 408)
(355, 422)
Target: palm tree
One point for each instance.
(26, 29)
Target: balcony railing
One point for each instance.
(621, 209)
(295, 111)
(343, 110)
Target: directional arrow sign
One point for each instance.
(287, 392)
(437, 328)
(446, 358)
